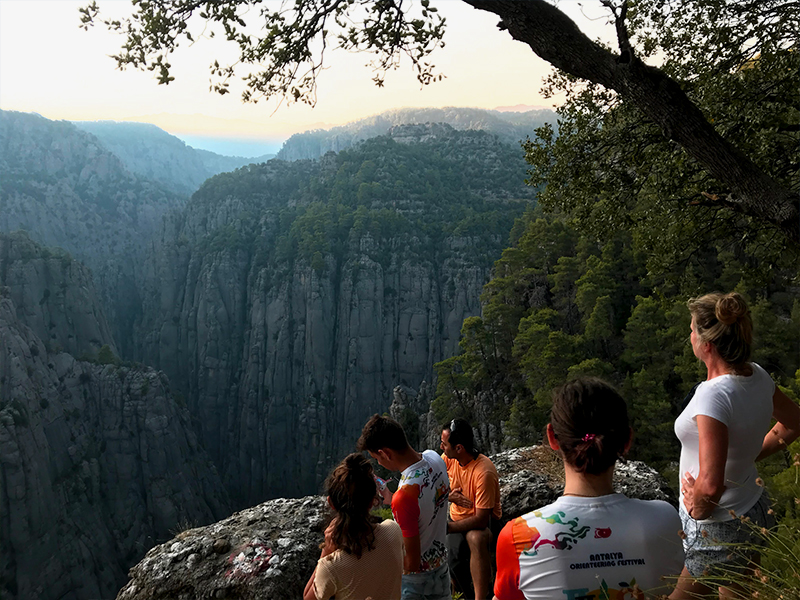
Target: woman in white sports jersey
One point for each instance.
(724, 430)
(591, 543)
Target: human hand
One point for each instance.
(459, 499)
(687, 489)
(383, 490)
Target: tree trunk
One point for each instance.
(554, 37)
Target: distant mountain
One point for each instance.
(510, 127)
(151, 152)
(67, 189)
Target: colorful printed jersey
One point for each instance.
(604, 548)
(479, 482)
(420, 508)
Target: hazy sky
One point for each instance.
(50, 66)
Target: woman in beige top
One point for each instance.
(360, 558)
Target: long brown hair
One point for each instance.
(351, 489)
(590, 421)
(724, 320)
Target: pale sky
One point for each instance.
(50, 66)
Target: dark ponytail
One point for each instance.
(351, 489)
(590, 421)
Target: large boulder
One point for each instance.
(269, 551)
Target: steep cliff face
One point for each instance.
(63, 187)
(97, 464)
(510, 127)
(53, 296)
(291, 298)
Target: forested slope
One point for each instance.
(289, 299)
(561, 304)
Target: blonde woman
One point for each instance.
(724, 430)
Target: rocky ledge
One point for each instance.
(270, 550)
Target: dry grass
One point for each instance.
(543, 460)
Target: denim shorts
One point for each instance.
(725, 545)
(430, 585)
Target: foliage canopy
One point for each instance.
(283, 48)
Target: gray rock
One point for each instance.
(529, 478)
(283, 359)
(257, 544)
(64, 188)
(53, 295)
(97, 464)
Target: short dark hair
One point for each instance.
(461, 433)
(590, 421)
(382, 432)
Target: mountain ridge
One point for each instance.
(510, 127)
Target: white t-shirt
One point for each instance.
(589, 548)
(744, 405)
(420, 508)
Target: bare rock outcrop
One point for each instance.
(289, 300)
(269, 551)
(64, 188)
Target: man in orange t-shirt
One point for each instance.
(474, 509)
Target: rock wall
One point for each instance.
(284, 353)
(53, 295)
(66, 189)
(283, 368)
(97, 464)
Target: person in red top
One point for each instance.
(419, 506)
(474, 509)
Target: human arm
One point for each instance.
(701, 495)
(787, 428)
(309, 593)
(328, 546)
(405, 507)
(480, 520)
(506, 583)
(383, 490)
(412, 559)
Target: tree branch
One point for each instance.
(554, 37)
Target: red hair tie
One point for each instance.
(589, 437)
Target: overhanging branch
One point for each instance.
(554, 37)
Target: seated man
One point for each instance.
(419, 507)
(474, 508)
